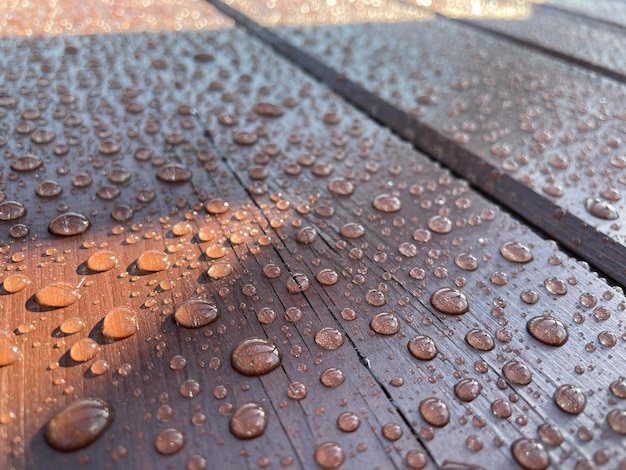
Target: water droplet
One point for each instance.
(84, 349)
(480, 340)
(266, 315)
(217, 206)
(329, 338)
(601, 209)
(220, 270)
(244, 138)
(548, 330)
(501, 408)
(26, 163)
(618, 387)
(570, 399)
(516, 252)
(268, 109)
(423, 347)
(249, 421)
(102, 260)
(296, 391)
(78, 425)
(122, 213)
(48, 188)
(15, 283)
(450, 301)
(550, 434)
(352, 230)
(169, 441)
(329, 455)
(69, 224)
(530, 454)
(306, 235)
(555, 286)
(392, 431)
(416, 459)
(341, 187)
(18, 231)
(517, 372)
(467, 389)
(332, 377)
(9, 352)
(272, 271)
(434, 412)
(348, 421)
(190, 388)
(174, 173)
(298, 283)
(466, 261)
(196, 313)
(327, 277)
(255, 356)
(385, 323)
(11, 210)
(152, 261)
(72, 326)
(375, 298)
(108, 148)
(57, 295)
(616, 420)
(119, 323)
(440, 224)
(387, 203)
(529, 296)
(82, 180)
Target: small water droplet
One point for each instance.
(217, 206)
(517, 372)
(616, 420)
(255, 356)
(329, 338)
(27, 162)
(550, 434)
(332, 377)
(466, 261)
(306, 235)
(385, 323)
(548, 330)
(9, 352)
(387, 203)
(84, 349)
(435, 412)
(555, 285)
(48, 188)
(570, 399)
(618, 387)
(501, 408)
(341, 187)
(298, 283)
(440, 224)
(15, 283)
(480, 340)
(78, 425)
(196, 313)
(220, 270)
(416, 459)
(467, 389)
(529, 296)
(249, 421)
(102, 260)
(296, 391)
(72, 326)
(268, 109)
(190, 388)
(174, 173)
(152, 261)
(11, 210)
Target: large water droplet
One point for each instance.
(618, 387)
(329, 455)
(387, 203)
(327, 277)
(268, 109)
(530, 454)
(435, 412)
(329, 338)
(152, 261)
(15, 283)
(217, 206)
(480, 340)
(69, 224)
(332, 377)
(348, 421)
(26, 163)
(341, 187)
(57, 295)
(352, 230)
(440, 224)
(84, 349)
(423, 347)
(570, 399)
(220, 270)
(601, 209)
(249, 421)
(516, 252)
(616, 420)
(48, 188)
(450, 301)
(385, 323)
(102, 260)
(196, 313)
(78, 425)
(174, 173)
(517, 372)
(555, 285)
(255, 356)
(392, 431)
(467, 389)
(119, 323)
(169, 441)
(11, 210)
(501, 408)
(306, 235)
(548, 330)
(9, 352)
(297, 391)
(550, 434)
(466, 261)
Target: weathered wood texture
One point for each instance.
(608, 11)
(258, 133)
(524, 128)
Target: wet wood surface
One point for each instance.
(305, 222)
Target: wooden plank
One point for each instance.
(375, 162)
(608, 11)
(499, 114)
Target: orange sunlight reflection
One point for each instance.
(479, 9)
(53, 17)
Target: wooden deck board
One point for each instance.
(186, 94)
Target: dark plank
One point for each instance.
(500, 115)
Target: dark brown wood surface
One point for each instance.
(174, 94)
